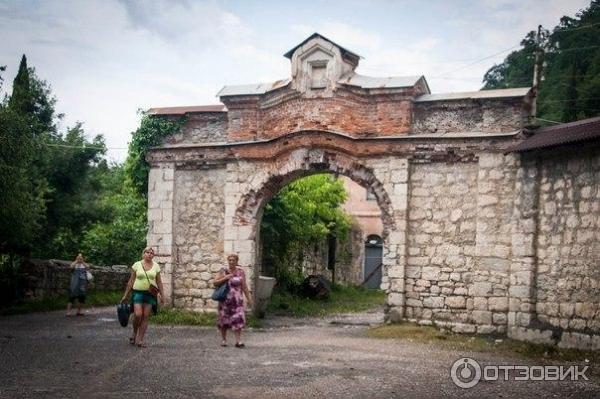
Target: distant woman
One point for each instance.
(78, 286)
(231, 311)
(144, 274)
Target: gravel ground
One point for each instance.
(48, 355)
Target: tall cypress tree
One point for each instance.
(21, 100)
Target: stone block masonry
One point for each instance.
(474, 240)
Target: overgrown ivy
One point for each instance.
(150, 134)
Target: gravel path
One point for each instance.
(48, 355)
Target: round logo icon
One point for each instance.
(465, 373)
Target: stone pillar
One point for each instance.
(394, 176)
(160, 222)
(489, 286)
(239, 235)
(523, 265)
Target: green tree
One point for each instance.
(23, 188)
(570, 87)
(22, 213)
(74, 201)
(120, 238)
(303, 214)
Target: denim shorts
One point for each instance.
(142, 297)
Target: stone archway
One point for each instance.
(460, 218)
(253, 184)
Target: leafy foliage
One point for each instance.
(151, 132)
(51, 181)
(570, 88)
(122, 236)
(303, 214)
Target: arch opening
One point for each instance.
(264, 185)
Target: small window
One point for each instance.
(319, 76)
(371, 195)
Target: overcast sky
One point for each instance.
(105, 59)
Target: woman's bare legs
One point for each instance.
(137, 318)
(79, 312)
(238, 336)
(69, 309)
(223, 335)
(146, 309)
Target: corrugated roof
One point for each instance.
(344, 50)
(498, 93)
(565, 133)
(251, 89)
(187, 110)
(369, 82)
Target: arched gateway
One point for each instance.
(457, 237)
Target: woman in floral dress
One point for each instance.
(231, 311)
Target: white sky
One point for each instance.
(107, 58)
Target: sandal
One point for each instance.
(142, 345)
(223, 344)
(131, 340)
(240, 345)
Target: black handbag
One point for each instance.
(123, 312)
(220, 293)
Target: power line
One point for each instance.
(477, 61)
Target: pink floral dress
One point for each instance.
(231, 310)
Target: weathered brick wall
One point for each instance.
(206, 127)
(441, 241)
(198, 230)
(480, 115)
(349, 111)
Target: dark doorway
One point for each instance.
(373, 259)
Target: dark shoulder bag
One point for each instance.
(220, 293)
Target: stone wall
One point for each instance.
(467, 115)
(47, 278)
(565, 285)
(441, 242)
(206, 127)
(198, 229)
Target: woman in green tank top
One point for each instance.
(144, 273)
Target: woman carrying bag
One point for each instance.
(80, 277)
(231, 307)
(147, 290)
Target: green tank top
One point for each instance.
(141, 282)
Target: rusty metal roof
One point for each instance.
(565, 133)
(187, 110)
(498, 93)
(344, 50)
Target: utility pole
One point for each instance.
(537, 74)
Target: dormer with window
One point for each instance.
(317, 65)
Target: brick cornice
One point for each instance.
(421, 147)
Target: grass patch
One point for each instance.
(94, 298)
(343, 299)
(180, 317)
(412, 332)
